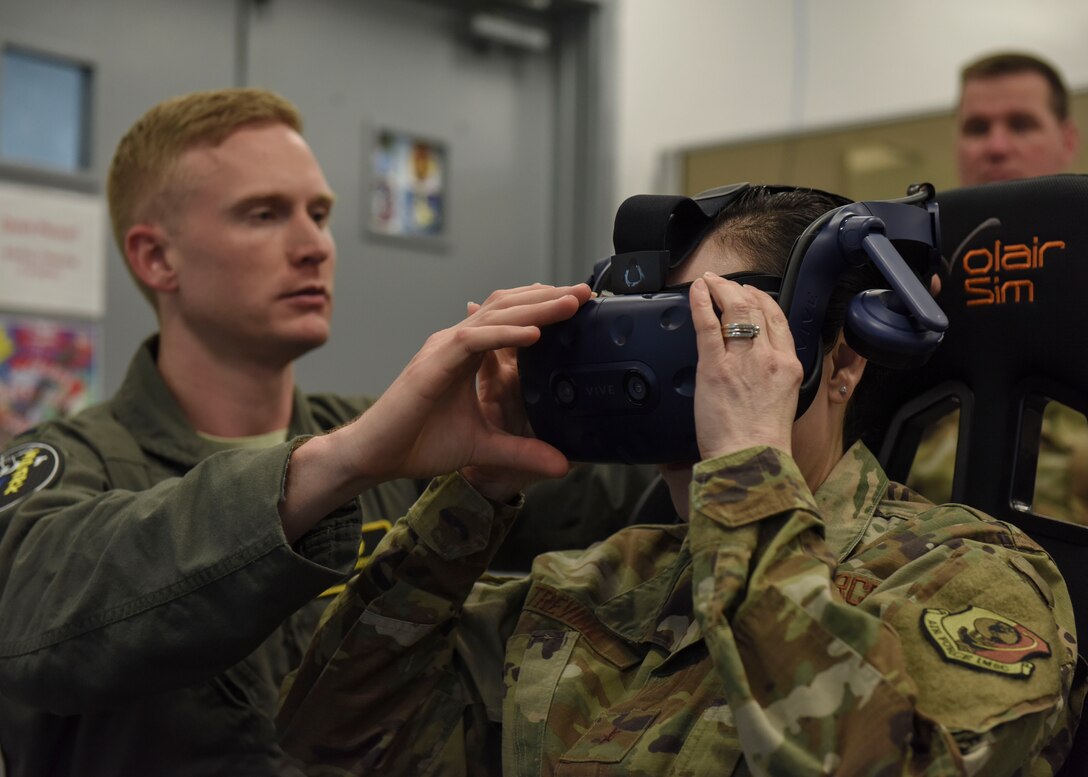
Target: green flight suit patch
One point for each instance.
(26, 468)
(984, 640)
(373, 531)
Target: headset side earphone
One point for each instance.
(898, 327)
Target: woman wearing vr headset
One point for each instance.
(809, 617)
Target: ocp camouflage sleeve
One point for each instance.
(398, 675)
(938, 642)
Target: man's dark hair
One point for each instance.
(1012, 62)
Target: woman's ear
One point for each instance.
(146, 253)
(847, 367)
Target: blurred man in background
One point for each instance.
(1013, 122)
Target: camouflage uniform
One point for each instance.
(859, 630)
(591, 503)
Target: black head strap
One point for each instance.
(655, 233)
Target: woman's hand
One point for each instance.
(745, 389)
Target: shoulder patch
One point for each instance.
(984, 640)
(26, 468)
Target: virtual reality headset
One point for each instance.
(616, 382)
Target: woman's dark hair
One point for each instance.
(762, 225)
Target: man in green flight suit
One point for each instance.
(162, 554)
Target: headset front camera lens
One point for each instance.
(634, 385)
(564, 391)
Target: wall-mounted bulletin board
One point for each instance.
(52, 240)
(52, 297)
(409, 195)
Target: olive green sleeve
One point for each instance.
(108, 594)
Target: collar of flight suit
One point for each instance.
(145, 406)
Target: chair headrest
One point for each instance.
(1016, 256)
(1016, 273)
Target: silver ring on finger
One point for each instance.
(741, 330)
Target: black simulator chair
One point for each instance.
(1017, 261)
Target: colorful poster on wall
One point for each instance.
(52, 251)
(48, 368)
(408, 191)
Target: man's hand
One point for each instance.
(432, 420)
(499, 390)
